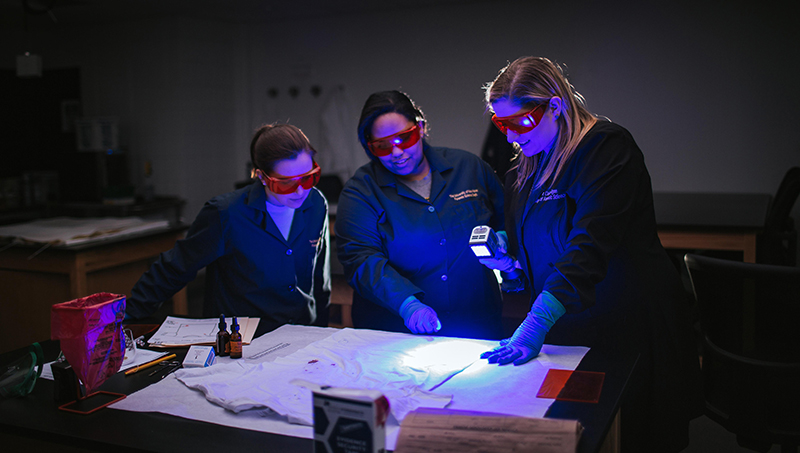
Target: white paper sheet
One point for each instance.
(175, 331)
(481, 387)
(142, 356)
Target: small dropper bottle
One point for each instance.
(223, 338)
(236, 340)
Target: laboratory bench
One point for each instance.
(33, 277)
(711, 221)
(162, 206)
(34, 421)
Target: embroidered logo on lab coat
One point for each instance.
(549, 195)
(470, 193)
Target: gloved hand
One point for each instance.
(418, 317)
(501, 261)
(527, 341)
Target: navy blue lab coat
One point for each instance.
(393, 244)
(591, 241)
(251, 270)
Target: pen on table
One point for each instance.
(149, 364)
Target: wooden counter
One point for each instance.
(30, 285)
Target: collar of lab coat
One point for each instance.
(257, 199)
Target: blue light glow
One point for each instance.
(444, 353)
(460, 356)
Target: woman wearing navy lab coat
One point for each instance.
(264, 246)
(403, 225)
(582, 230)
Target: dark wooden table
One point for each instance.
(32, 284)
(711, 221)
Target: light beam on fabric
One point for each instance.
(446, 353)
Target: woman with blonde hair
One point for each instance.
(581, 230)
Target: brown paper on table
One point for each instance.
(452, 431)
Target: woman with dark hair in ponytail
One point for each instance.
(264, 246)
(403, 226)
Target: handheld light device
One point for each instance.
(483, 241)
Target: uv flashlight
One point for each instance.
(483, 241)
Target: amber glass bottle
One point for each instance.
(223, 339)
(236, 340)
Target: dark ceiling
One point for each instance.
(49, 14)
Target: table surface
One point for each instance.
(728, 210)
(99, 241)
(172, 206)
(36, 416)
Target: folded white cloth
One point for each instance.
(403, 367)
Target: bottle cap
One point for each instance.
(222, 325)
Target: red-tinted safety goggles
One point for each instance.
(521, 122)
(403, 140)
(287, 185)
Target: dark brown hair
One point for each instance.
(275, 142)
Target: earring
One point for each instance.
(260, 177)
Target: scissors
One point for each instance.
(172, 364)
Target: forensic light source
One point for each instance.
(483, 241)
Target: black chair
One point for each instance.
(749, 315)
(777, 244)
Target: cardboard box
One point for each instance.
(349, 420)
(454, 431)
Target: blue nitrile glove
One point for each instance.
(528, 339)
(502, 261)
(419, 318)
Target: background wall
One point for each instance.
(709, 91)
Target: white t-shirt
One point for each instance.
(282, 216)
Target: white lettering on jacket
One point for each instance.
(548, 195)
(470, 193)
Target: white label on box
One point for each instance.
(199, 356)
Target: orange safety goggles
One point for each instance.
(403, 140)
(520, 123)
(288, 184)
